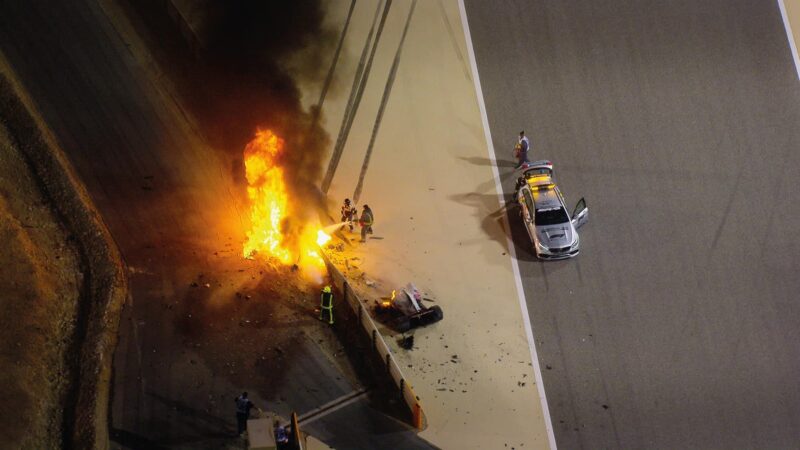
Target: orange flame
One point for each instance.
(269, 199)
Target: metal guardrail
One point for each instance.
(296, 441)
(378, 344)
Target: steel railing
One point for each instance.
(378, 344)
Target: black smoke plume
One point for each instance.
(232, 76)
(245, 47)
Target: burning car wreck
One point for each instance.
(279, 228)
(405, 310)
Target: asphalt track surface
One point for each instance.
(162, 197)
(677, 325)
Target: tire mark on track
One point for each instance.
(453, 41)
(356, 91)
(727, 211)
(387, 90)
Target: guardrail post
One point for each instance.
(417, 416)
(296, 439)
(351, 298)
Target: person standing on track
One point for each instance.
(243, 407)
(348, 214)
(326, 304)
(366, 221)
(281, 435)
(521, 149)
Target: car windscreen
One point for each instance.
(538, 171)
(551, 216)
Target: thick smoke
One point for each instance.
(246, 44)
(237, 83)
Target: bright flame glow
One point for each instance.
(270, 234)
(322, 238)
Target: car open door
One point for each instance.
(580, 214)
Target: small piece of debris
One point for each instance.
(407, 343)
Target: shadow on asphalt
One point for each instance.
(491, 223)
(480, 161)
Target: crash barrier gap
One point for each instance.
(379, 345)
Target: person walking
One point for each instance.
(521, 149)
(243, 407)
(326, 304)
(281, 435)
(366, 221)
(348, 214)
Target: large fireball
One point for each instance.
(270, 234)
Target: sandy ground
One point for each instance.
(39, 281)
(438, 224)
(793, 14)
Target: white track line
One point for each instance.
(514, 264)
(792, 45)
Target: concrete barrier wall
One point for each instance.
(379, 345)
(105, 283)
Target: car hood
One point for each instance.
(555, 236)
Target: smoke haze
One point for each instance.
(236, 83)
(246, 45)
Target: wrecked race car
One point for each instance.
(405, 310)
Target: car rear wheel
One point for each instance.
(437, 313)
(402, 324)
